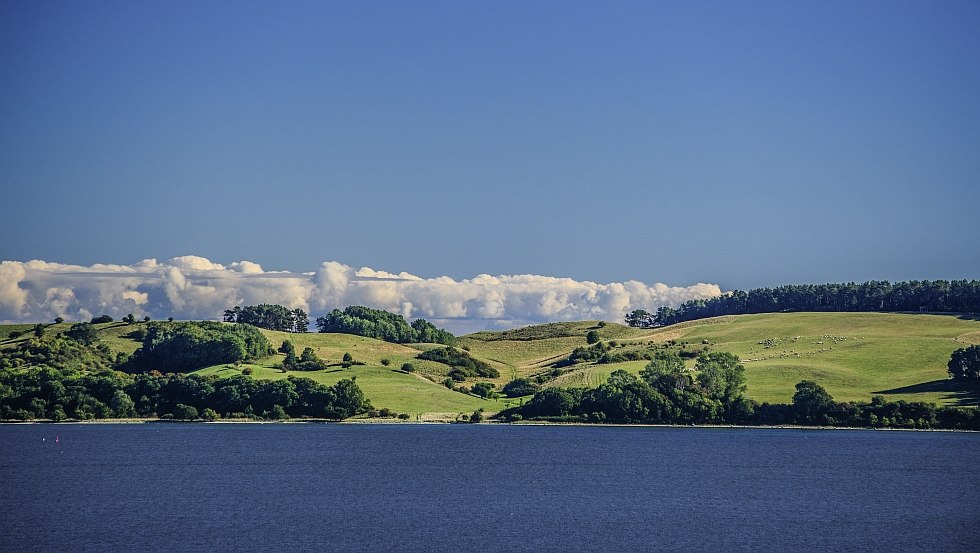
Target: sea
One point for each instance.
(174, 487)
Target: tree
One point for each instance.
(84, 333)
(723, 378)
(146, 319)
(287, 347)
(39, 330)
(301, 321)
(58, 320)
(811, 402)
(592, 337)
(964, 363)
(347, 361)
(639, 318)
(101, 319)
(408, 367)
(483, 389)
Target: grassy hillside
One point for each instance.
(853, 355)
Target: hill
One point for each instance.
(853, 355)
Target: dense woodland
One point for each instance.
(666, 393)
(271, 317)
(73, 375)
(957, 296)
(382, 325)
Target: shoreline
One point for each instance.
(490, 423)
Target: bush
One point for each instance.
(404, 416)
(101, 319)
(248, 370)
(408, 367)
(520, 387)
(184, 412)
(385, 362)
(209, 414)
(483, 389)
(460, 360)
(592, 337)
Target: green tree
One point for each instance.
(964, 363)
(592, 337)
(58, 320)
(483, 389)
(408, 367)
(639, 318)
(811, 402)
(39, 330)
(287, 347)
(84, 333)
(722, 377)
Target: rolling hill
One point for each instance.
(853, 355)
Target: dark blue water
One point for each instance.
(176, 487)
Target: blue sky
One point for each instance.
(738, 143)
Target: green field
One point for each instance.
(853, 355)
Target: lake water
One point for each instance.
(328, 487)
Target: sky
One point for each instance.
(707, 145)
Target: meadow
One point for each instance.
(853, 355)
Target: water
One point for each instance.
(183, 487)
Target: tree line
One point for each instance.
(270, 317)
(666, 393)
(382, 325)
(959, 296)
(73, 375)
(187, 346)
(49, 393)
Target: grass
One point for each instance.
(853, 355)
(384, 386)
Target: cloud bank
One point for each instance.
(191, 287)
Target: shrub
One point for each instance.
(592, 337)
(460, 360)
(209, 414)
(520, 387)
(408, 367)
(385, 362)
(101, 319)
(184, 412)
(483, 389)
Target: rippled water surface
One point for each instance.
(229, 487)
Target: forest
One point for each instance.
(956, 296)
(73, 375)
(382, 325)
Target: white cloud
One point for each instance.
(192, 287)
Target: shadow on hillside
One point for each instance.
(960, 393)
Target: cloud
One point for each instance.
(192, 287)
